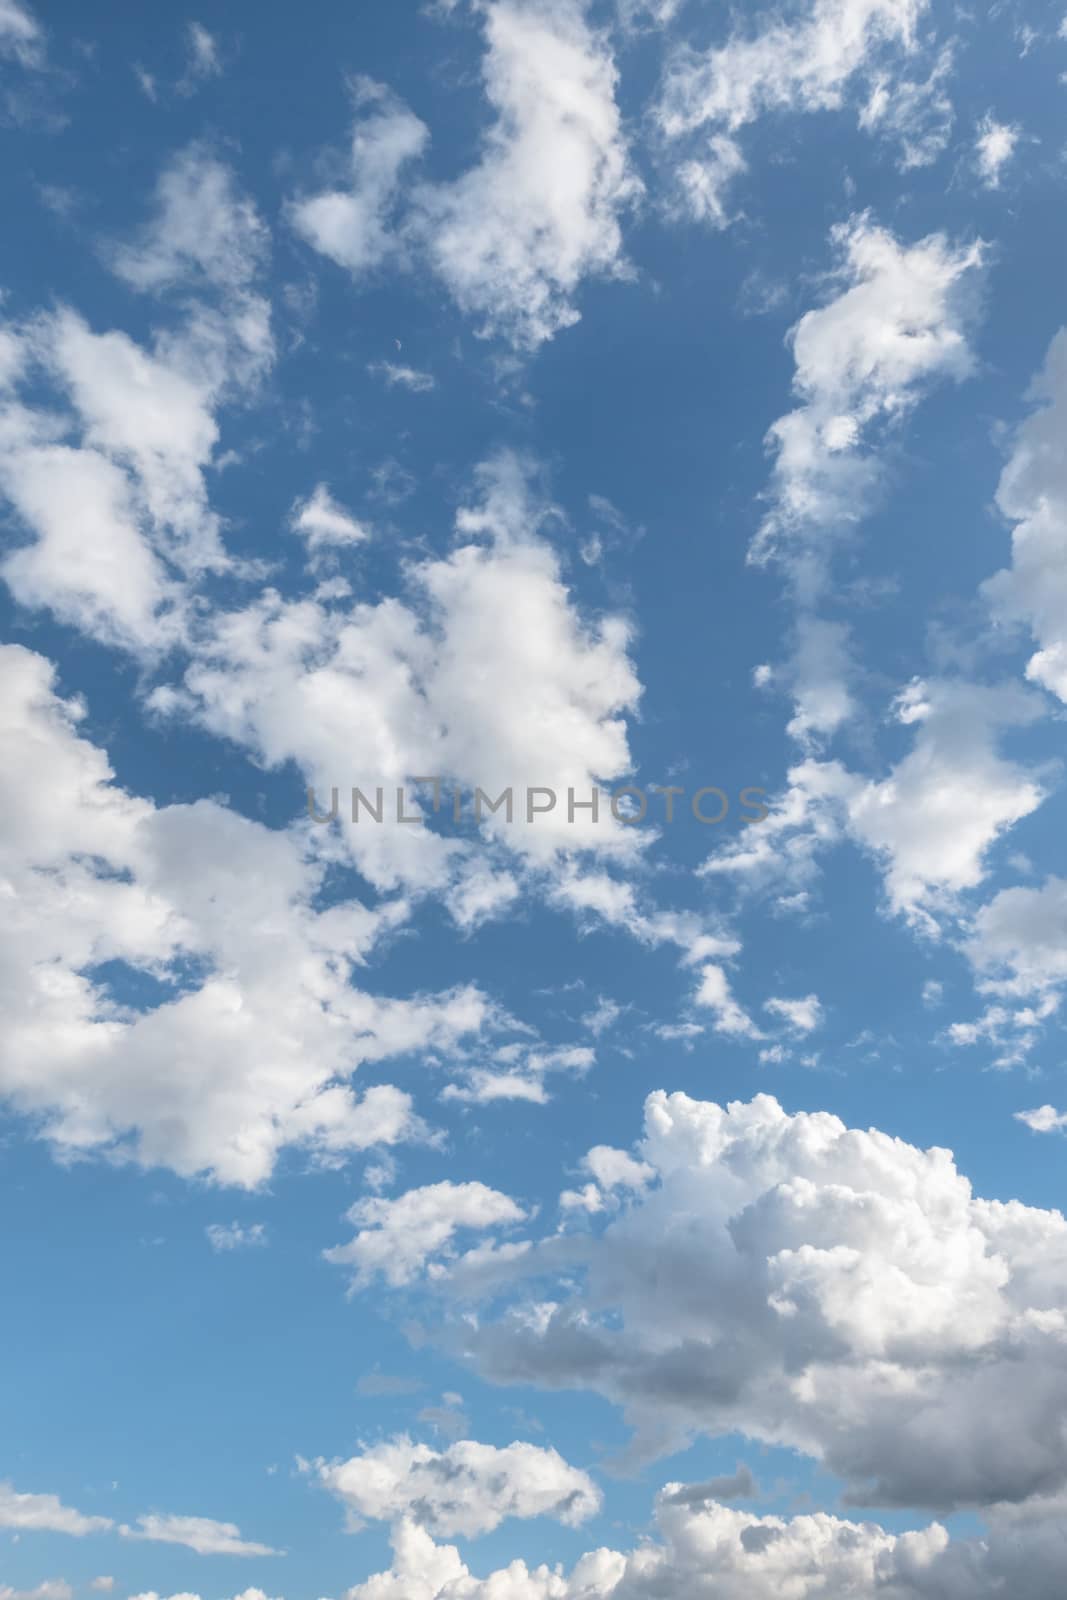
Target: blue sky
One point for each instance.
(534, 395)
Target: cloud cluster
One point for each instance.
(201, 1020)
(836, 1291)
(803, 62)
(468, 1489)
(487, 675)
(108, 479)
(711, 1552)
(513, 237)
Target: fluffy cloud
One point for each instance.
(44, 1513)
(862, 361)
(710, 1552)
(399, 1239)
(1033, 495)
(468, 1489)
(488, 675)
(322, 523)
(352, 226)
(929, 823)
(252, 1028)
(803, 1015)
(1046, 1119)
(514, 236)
(109, 479)
(802, 63)
(835, 1291)
(1018, 942)
(202, 1534)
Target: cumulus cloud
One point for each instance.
(1032, 494)
(353, 225)
(930, 822)
(203, 226)
(835, 1291)
(710, 1552)
(862, 361)
(514, 236)
(44, 1513)
(1045, 1119)
(486, 675)
(897, 324)
(803, 1015)
(400, 1239)
(1018, 941)
(714, 994)
(107, 477)
(468, 1489)
(323, 523)
(253, 1029)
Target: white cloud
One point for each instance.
(711, 1552)
(834, 1291)
(468, 1489)
(20, 33)
(323, 523)
(805, 63)
(1018, 941)
(714, 993)
(515, 235)
(203, 225)
(103, 1584)
(994, 148)
(486, 675)
(396, 375)
(1033, 495)
(225, 1236)
(518, 1072)
(108, 477)
(202, 1534)
(353, 226)
(930, 822)
(257, 1027)
(803, 1016)
(1046, 1119)
(863, 361)
(613, 1173)
(400, 1239)
(44, 1513)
